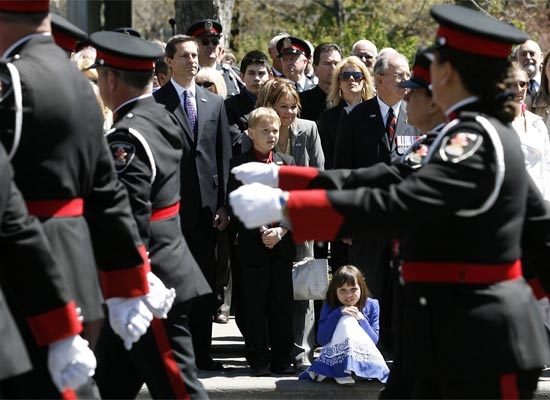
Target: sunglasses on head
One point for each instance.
(205, 85)
(206, 41)
(347, 75)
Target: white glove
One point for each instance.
(267, 174)
(129, 318)
(71, 362)
(159, 300)
(256, 204)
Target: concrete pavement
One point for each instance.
(237, 381)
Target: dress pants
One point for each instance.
(163, 359)
(202, 243)
(267, 307)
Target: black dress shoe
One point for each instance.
(209, 365)
(285, 369)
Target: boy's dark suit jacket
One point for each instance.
(250, 245)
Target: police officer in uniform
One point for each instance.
(146, 146)
(471, 324)
(208, 35)
(295, 54)
(53, 134)
(42, 301)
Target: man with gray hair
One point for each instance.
(530, 58)
(276, 66)
(366, 51)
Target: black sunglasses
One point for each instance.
(347, 75)
(365, 56)
(205, 84)
(522, 84)
(205, 41)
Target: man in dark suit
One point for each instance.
(368, 135)
(205, 166)
(313, 101)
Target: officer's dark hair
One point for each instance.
(485, 77)
(24, 18)
(170, 50)
(135, 79)
(322, 48)
(347, 274)
(254, 57)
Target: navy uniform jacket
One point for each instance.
(146, 144)
(65, 172)
(41, 301)
(205, 163)
(470, 204)
(362, 141)
(231, 77)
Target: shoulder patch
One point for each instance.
(123, 154)
(459, 146)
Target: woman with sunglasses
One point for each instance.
(212, 80)
(352, 83)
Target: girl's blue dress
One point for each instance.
(351, 347)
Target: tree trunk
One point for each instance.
(188, 11)
(118, 14)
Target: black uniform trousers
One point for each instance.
(202, 243)
(517, 385)
(267, 301)
(162, 359)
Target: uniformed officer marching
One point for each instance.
(471, 325)
(146, 145)
(52, 131)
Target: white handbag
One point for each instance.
(310, 279)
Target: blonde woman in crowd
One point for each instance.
(352, 83)
(212, 80)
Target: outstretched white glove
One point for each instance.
(159, 300)
(256, 204)
(129, 318)
(256, 172)
(71, 362)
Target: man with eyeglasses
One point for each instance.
(208, 35)
(366, 51)
(376, 131)
(530, 58)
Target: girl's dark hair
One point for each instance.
(485, 77)
(348, 274)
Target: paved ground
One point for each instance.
(237, 382)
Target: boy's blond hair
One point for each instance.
(261, 114)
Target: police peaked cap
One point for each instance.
(65, 34)
(293, 45)
(473, 32)
(126, 52)
(205, 27)
(420, 73)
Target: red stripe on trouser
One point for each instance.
(69, 394)
(509, 386)
(170, 364)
